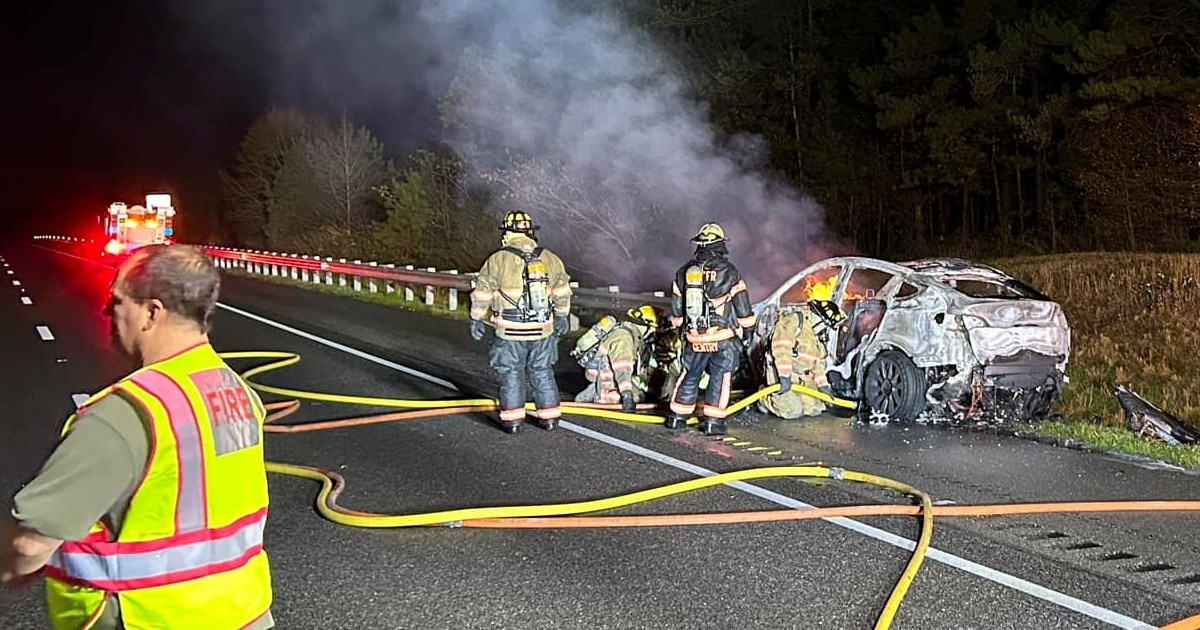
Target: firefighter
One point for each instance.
(527, 292)
(615, 357)
(797, 356)
(711, 306)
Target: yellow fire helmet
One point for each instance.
(709, 233)
(518, 222)
(645, 315)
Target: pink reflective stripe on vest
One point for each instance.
(126, 566)
(191, 512)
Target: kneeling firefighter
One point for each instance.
(797, 356)
(614, 356)
(710, 302)
(526, 289)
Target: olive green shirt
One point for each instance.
(90, 477)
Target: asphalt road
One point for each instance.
(1054, 571)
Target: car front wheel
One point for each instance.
(894, 387)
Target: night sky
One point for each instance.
(107, 101)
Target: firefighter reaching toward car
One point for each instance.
(711, 306)
(616, 358)
(796, 356)
(526, 291)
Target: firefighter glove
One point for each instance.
(627, 402)
(561, 325)
(477, 329)
(785, 384)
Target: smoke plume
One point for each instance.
(563, 107)
(580, 119)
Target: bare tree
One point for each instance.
(348, 169)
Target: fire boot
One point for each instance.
(510, 427)
(675, 422)
(714, 427)
(548, 425)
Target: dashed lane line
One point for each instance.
(26, 301)
(44, 333)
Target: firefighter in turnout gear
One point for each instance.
(615, 355)
(525, 291)
(710, 304)
(797, 356)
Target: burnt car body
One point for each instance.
(940, 338)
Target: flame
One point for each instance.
(821, 290)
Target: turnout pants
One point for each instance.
(514, 362)
(719, 366)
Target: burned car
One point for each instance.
(939, 338)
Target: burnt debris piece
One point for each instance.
(1149, 421)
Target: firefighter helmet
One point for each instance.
(644, 315)
(709, 234)
(518, 222)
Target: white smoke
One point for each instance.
(574, 113)
(580, 92)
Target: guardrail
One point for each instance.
(373, 277)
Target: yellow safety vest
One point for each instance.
(185, 557)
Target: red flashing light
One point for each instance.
(114, 247)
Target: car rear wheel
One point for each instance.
(894, 387)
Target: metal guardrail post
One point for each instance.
(358, 279)
(573, 319)
(295, 269)
(452, 298)
(429, 292)
(372, 285)
(328, 274)
(408, 292)
(304, 271)
(389, 286)
(342, 276)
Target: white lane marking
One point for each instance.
(44, 333)
(988, 573)
(10, 271)
(1061, 599)
(26, 301)
(16, 283)
(79, 399)
(347, 349)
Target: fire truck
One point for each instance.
(129, 228)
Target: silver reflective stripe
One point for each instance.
(151, 564)
(190, 510)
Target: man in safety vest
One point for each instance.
(709, 302)
(797, 356)
(615, 357)
(527, 292)
(150, 511)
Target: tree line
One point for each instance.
(977, 127)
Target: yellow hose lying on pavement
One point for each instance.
(332, 484)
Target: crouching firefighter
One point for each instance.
(797, 356)
(709, 301)
(526, 290)
(614, 356)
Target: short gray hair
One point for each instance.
(180, 276)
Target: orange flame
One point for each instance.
(821, 290)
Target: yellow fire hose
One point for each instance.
(562, 514)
